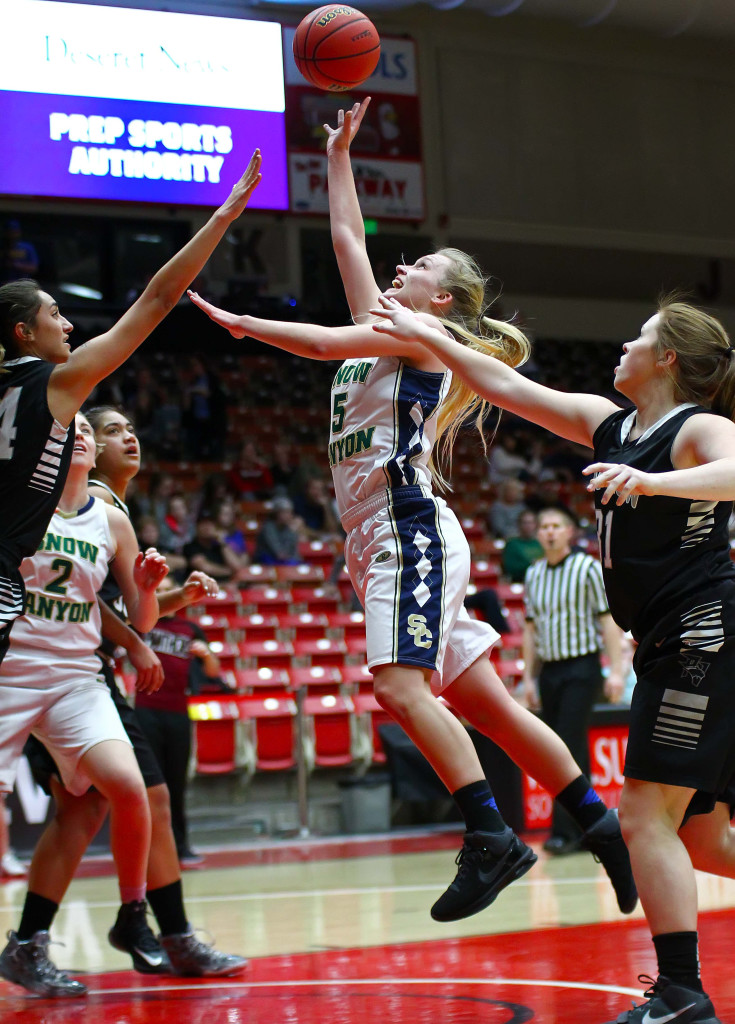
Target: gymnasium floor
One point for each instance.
(338, 932)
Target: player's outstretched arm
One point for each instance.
(312, 341)
(71, 383)
(574, 416)
(345, 216)
(138, 573)
(703, 455)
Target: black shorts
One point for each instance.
(43, 765)
(682, 716)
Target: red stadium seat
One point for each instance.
(222, 742)
(321, 652)
(221, 603)
(318, 679)
(266, 600)
(303, 626)
(227, 654)
(252, 627)
(347, 624)
(357, 676)
(300, 574)
(257, 574)
(316, 599)
(317, 553)
(357, 646)
(263, 682)
(485, 571)
(329, 723)
(510, 595)
(215, 626)
(370, 716)
(274, 721)
(266, 653)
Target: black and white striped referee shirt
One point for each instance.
(564, 602)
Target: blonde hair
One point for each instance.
(467, 321)
(704, 370)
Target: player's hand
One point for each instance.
(199, 649)
(149, 569)
(620, 480)
(397, 320)
(230, 321)
(614, 688)
(148, 668)
(242, 190)
(198, 586)
(348, 123)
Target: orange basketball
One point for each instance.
(336, 48)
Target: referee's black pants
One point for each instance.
(568, 690)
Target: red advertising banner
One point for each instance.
(607, 744)
(386, 152)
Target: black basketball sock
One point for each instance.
(581, 801)
(478, 807)
(167, 903)
(38, 915)
(678, 958)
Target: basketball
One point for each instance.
(336, 48)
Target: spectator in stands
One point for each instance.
(315, 508)
(154, 501)
(19, 259)
(148, 533)
(228, 530)
(180, 645)
(522, 550)
(505, 461)
(166, 427)
(250, 477)
(507, 509)
(176, 530)
(278, 541)
(207, 553)
(284, 468)
(204, 413)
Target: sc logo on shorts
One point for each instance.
(417, 628)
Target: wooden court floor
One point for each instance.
(339, 932)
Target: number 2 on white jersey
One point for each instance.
(8, 429)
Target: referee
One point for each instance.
(567, 621)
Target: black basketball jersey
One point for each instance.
(35, 452)
(110, 591)
(656, 551)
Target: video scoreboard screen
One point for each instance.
(113, 103)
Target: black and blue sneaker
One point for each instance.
(487, 863)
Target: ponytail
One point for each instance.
(468, 323)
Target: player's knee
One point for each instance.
(160, 804)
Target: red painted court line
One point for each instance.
(578, 975)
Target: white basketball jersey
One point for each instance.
(383, 427)
(62, 615)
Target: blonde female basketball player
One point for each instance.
(50, 683)
(664, 482)
(407, 557)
